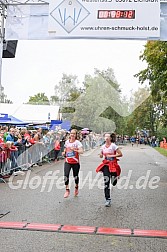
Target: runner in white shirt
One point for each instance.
(109, 167)
(73, 148)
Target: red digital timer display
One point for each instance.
(116, 14)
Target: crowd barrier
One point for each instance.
(14, 160)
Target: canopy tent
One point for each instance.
(31, 114)
(52, 122)
(44, 127)
(11, 120)
(4, 117)
(55, 124)
(65, 125)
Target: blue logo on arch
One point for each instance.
(69, 14)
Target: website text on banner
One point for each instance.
(112, 18)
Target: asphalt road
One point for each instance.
(138, 202)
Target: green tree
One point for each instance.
(74, 94)
(92, 107)
(161, 133)
(67, 91)
(145, 115)
(54, 99)
(110, 113)
(109, 76)
(3, 97)
(39, 98)
(66, 86)
(155, 54)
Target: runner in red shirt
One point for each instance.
(73, 148)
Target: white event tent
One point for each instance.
(33, 114)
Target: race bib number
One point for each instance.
(71, 154)
(110, 158)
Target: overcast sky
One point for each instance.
(39, 65)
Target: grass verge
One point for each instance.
(162, 151)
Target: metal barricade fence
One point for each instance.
(24, 158)
(7, 161)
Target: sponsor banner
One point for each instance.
(105, 18)
(31, 22)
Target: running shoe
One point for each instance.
(108, 203)
(76, 191)
(67, 193)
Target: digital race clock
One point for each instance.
(116, 14)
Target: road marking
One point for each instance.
(84, 229)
